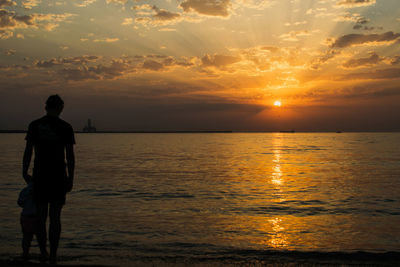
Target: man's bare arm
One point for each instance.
(70, 156)
(27, 161)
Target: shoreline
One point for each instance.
(201, 132)
(271, 259)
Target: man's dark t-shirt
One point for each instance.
(49, 136)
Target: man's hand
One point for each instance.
(69, 184)
(27, 178)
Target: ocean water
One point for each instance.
(219, 195)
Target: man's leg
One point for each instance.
(54, 230)
(42, 210)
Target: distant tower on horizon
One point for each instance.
(89, 128)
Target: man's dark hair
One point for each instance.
(54, 102)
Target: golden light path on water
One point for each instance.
(278, 239)
(281, 185)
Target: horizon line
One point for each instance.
(215, 131)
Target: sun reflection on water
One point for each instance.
(276, 177)
(279, 238)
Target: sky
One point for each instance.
(169, 65)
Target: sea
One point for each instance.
(219, 196)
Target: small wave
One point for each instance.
(310, 209)
(175, 195)
(192, 253)
(106, 194)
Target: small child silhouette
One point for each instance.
(28, 219)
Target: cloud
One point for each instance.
(372, 60)
(4, 3)
(122, 2)
(360, 21)
(143, 20)
(271, 49)
(106, 40)
(218, 61)
(29, 4)
(354, 3)
(395, 60)
(79, 74)
(254, 4)
(365, 39)
(50, 21)
(127, 21)
(152, 65)
(367, 91)
(390, 73)
(322, 59)
(48, 63)
(78, 60)
(92, 67)
(292, 36)
(352, 17)
(316, 10)
(320, 12)
(207, 7)
(6, 34)
(297, 23)
(142, 7)
(85, 3)
(9, 20)
(167, 30)
(10, 52)
(155, 16)
(164, 15)
(117, 68)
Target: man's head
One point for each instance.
(54, 105)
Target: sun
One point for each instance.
(277, 103)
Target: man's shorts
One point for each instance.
(47, 190)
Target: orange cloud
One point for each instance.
(106, 40)
(4, 3)
(207, 7)
(164, 15)
(355, 3)
(156, 17)
(365, 39)
(122, 2)
(390, 73)
(372, 60)
(6, 34)
(85, 3)
(10, 20)
(218, 61)
(10, 52)
(29, 4)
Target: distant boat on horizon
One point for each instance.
(89, 128)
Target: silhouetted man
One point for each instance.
(53, 140)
